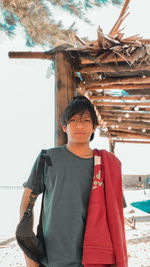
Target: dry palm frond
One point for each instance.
(36, 18)
(121, 18)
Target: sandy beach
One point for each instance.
(138, 239)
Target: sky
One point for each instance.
(27, 98)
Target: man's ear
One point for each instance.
(64, 128)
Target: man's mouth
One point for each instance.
(80, 133)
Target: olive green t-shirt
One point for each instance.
(67, 189)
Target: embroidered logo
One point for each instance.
(97, 180)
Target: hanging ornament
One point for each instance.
(119, 119)
(129, 128)
(127, 115)
(136, 108)
(143, 130)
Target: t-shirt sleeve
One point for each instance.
(31, 179)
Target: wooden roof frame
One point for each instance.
(113, 73)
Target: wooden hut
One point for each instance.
(114, 73)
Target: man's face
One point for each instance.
(79, 128)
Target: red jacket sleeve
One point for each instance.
(114, 206)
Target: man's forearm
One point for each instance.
(23, 206)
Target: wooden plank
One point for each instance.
(115, 68)
(85, 61)
(126, 124)
(113, 97)
(64, 94)
(130, 135)
(112, 146)
(33, 55)
(120, 108)
(130, 104)
(121, 81)
(123, 118)
(133, 141)
(122, 114)
(117, 86)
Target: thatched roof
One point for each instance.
(114, 73)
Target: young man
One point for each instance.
(67, 189)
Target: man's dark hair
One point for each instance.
(79, 104)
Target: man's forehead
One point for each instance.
(85, 114)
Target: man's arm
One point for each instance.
(23, 206)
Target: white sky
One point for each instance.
(27, 99)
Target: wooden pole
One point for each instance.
(129, 141)
(128, 135)
(125, 124)
(130, 104)
(118, 86)
(108, 59)
(111, 145)
(114, 108)
(112, 97)
(115, 81)
(33, 55)
(64, 86)
(122, 114)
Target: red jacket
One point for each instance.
(104, 238)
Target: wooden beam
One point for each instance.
(122, 113)
(126, 124)
(115, 68)
(117, 86)
(114, 97)
(121, 81)
(64, 94)
(111, 145)
(108, 108)
(133, 130)
(124, 135)
(122, 116)
(127, 120)
(131, 141)
(130, 104)
(33, 55)
(108, 59)
(120, 134)
(138, 92)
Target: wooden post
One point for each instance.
(64, 92)
(111, 145)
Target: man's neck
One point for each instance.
(82, 150)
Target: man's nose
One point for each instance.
(79, 124)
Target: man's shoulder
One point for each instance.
(55, 150)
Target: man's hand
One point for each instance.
(30, 263)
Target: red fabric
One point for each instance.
(98, 265)
(104, 238)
